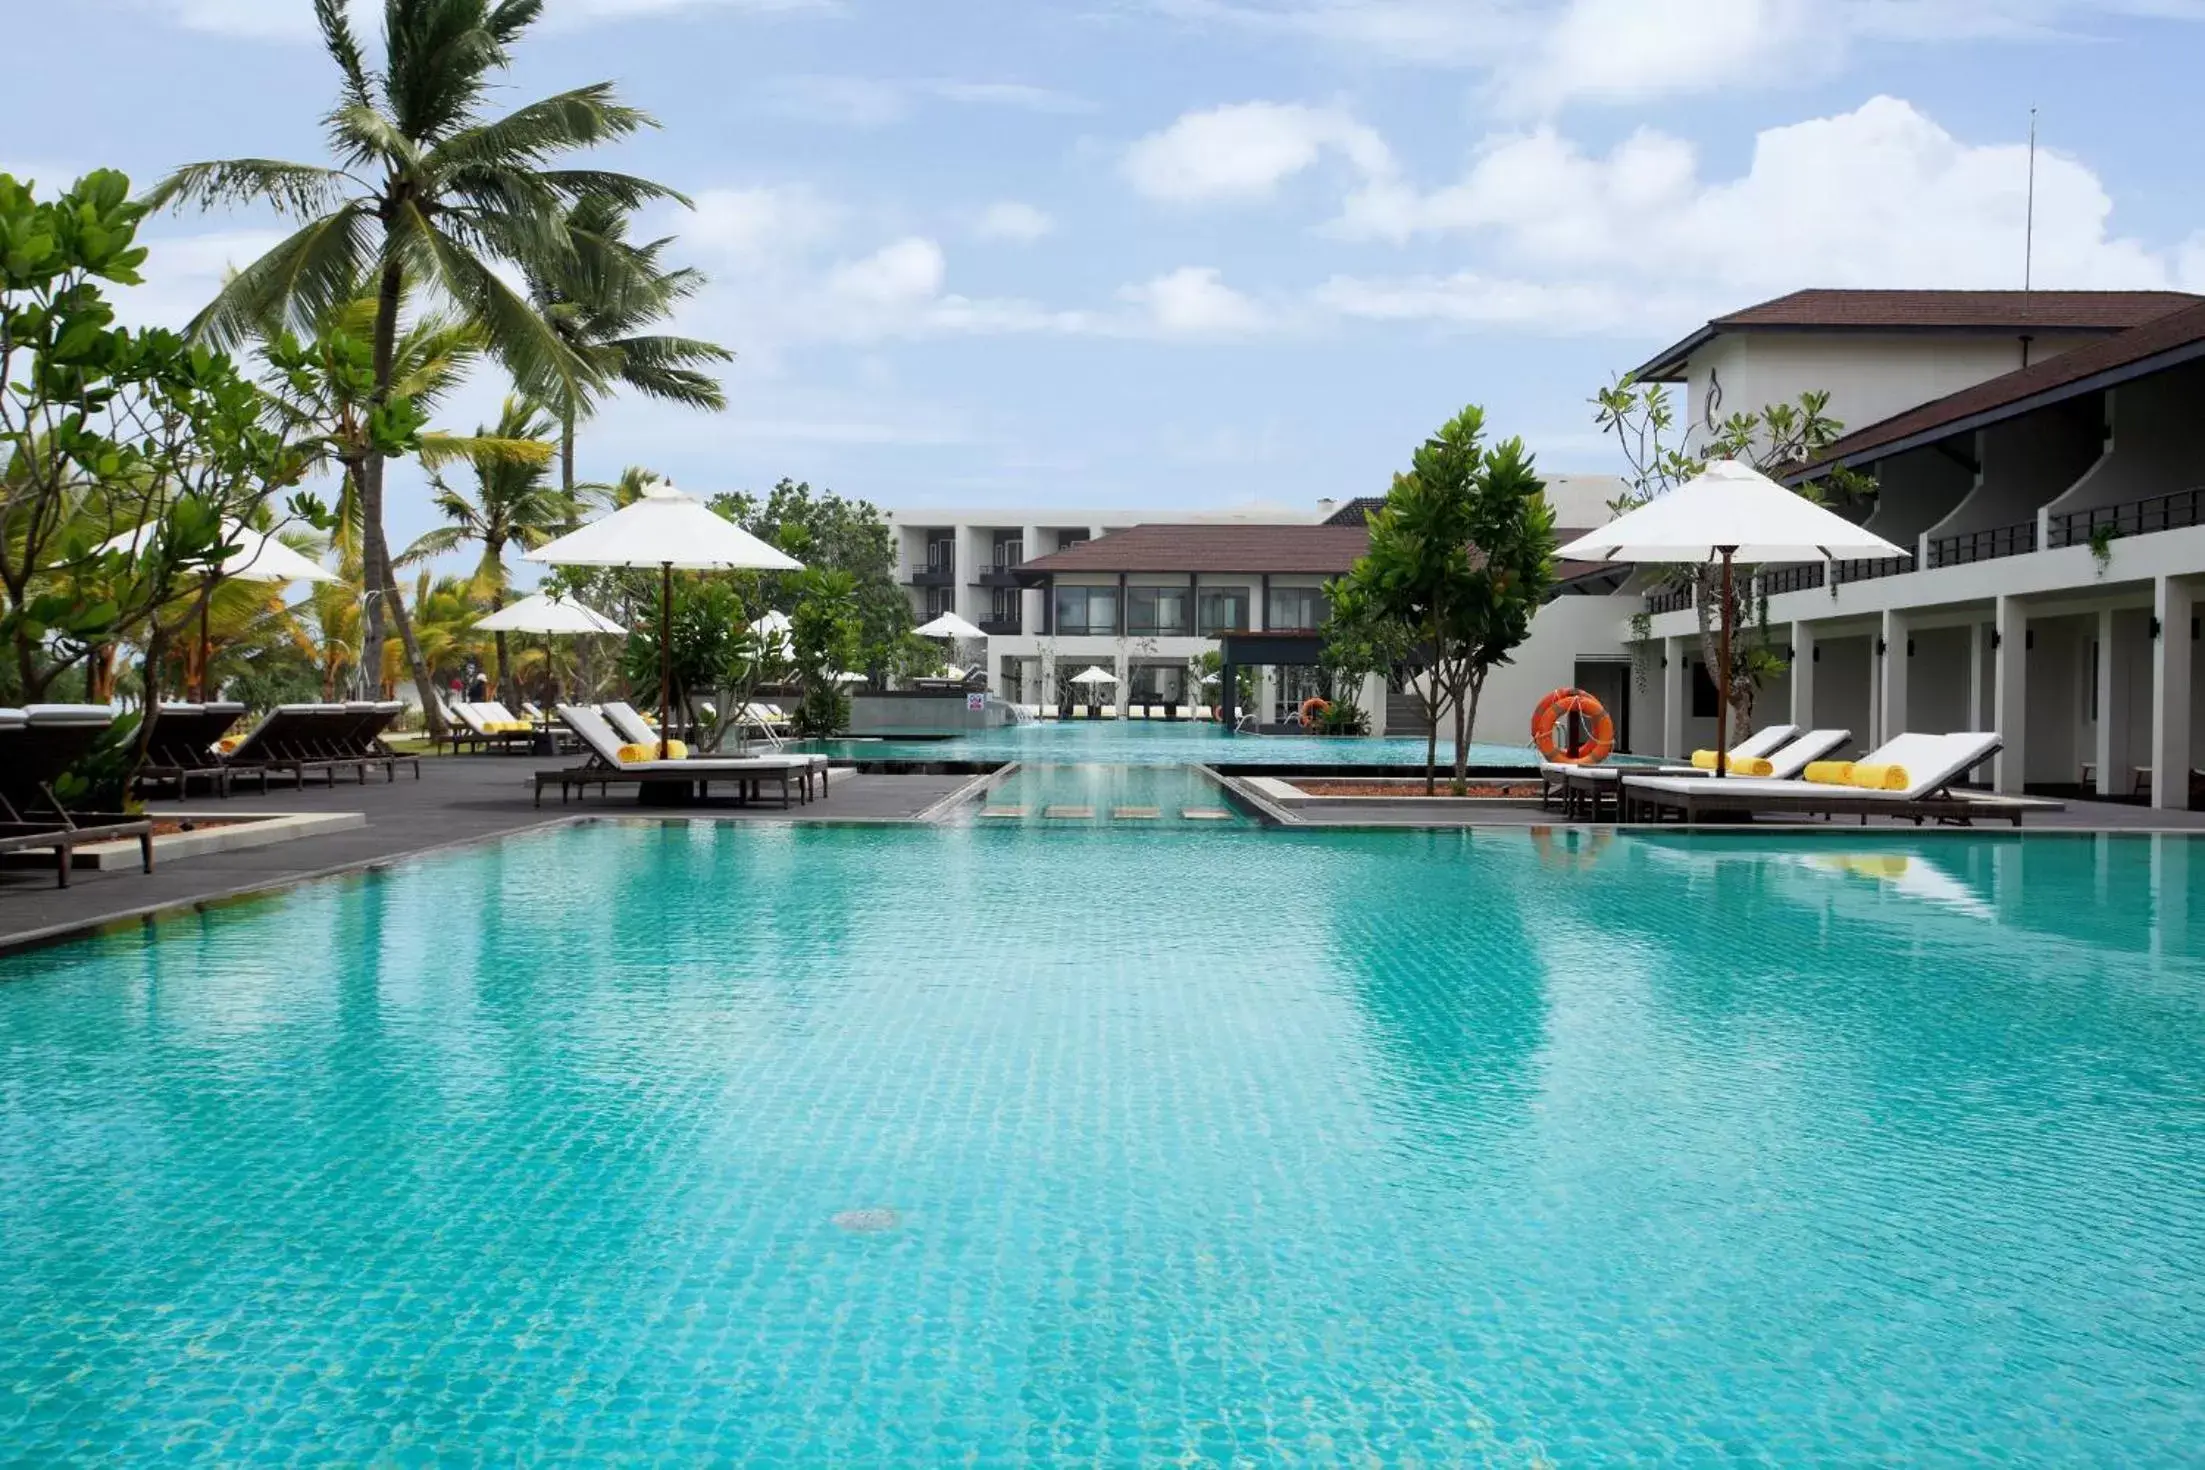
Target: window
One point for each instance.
(1005, 605)
(1297, 607)
(1066, 540)
(1224, 611)
(1156, 610)
(1087, 609)
(941, 555)
(940, 600)
(1009, 552)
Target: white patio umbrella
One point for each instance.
(665, 529)
(552, 615)
(1094, 674)
(1731, 512)
(258, 558)
(948, 625)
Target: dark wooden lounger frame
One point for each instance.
(748, 784)
(64, 834)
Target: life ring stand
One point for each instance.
(1313, 708)
(1591, 716)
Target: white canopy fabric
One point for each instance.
(948, 625)
(540, 614)
(848, 677)
(773, 624)
(665, 528)
(258, 558)
(1732, 507)
(1094, 674)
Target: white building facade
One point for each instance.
(2054, 523)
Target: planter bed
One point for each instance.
(182, 835)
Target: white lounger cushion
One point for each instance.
(1931, 763)
(628, 724)
(1755, 746)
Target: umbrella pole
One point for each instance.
(1722, 688)
(665, 656)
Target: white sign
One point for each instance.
(976, 701)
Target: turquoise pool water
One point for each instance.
(1150, 797)
(794, 1145)
(1160, 742)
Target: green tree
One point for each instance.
(1778, 439)
(599, 298)
(825, 633)
(426, 195)
(828, 531)
(514, 505)
(1461, 557)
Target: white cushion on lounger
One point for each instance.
(1931, 762)
(628, 724)
(13, 719)
(69, 714)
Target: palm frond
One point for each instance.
(626, 190)
(540, 364)
(366, 136)
(442, 541)
(296, 190)
(335, 22)
(525, 137)
(441, 449)
(301, 280)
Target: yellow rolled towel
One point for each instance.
(648, 751)
(1738, 765)
(1830, 773)
(1882, 778)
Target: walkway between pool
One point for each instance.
(458, 799)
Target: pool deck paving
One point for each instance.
(457, 800)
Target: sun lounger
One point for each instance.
(490, 726)
(1933, 763)
(796, 775)
(1587, 788)
(1554, 775)
(36, 746)
(296, 739)
(365, 740)
(181, 750)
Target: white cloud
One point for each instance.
(1881, 196)
(874, 102)
(758, 224)
(1011, 220)
(897, 274)
(1245, 150)
(1194, 301)
(184, 272)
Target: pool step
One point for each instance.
(1206, 814)
(1002, 813)
(1135, 813)
(1069, 813)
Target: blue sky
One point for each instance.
(1192, 252)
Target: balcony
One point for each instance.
(1972, 546)
(1778, 580)
(1669, 600)
(2184, 508)
(1000, 627)
(1868, 569)
(1000, 574)
(935, 574)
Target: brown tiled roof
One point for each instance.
(2018, 312)
(1354, 511)
(1324, 550)
(2164, 342)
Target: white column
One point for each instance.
(1374, 702)
(1267, 693)
(2173, 603)
(1045, 682)
(1676, 696)
(1894, 671)
(2011, 697)
(1979, 674)
(2111, 756)
(1122, 665)
(1803, 675)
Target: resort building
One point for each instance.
(2037, 455)
(1143, 595)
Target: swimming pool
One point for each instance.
(1160, 742)
(790, 1144)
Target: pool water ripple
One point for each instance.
(1251, 1147)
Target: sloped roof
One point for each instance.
(2164, 342)
(2016, 312)
(1323, 550)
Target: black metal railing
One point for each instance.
(1669, 600)
(1869, 568)
(1791, 579)
(999, 627)
(1998, 541)
(2131, 518)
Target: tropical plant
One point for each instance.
(828, 532)
(1781, 437)
(426, 195)
(824, 633)
(514, 505)
(599, 297)
(1461, 557)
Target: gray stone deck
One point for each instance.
(458, 799)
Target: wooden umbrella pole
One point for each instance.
(665, 657)
(1722, 688)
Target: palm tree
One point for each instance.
(426, 194)
(513, 506)
(598, 299)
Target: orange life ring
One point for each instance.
(1548, 717)
(1312, 707)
